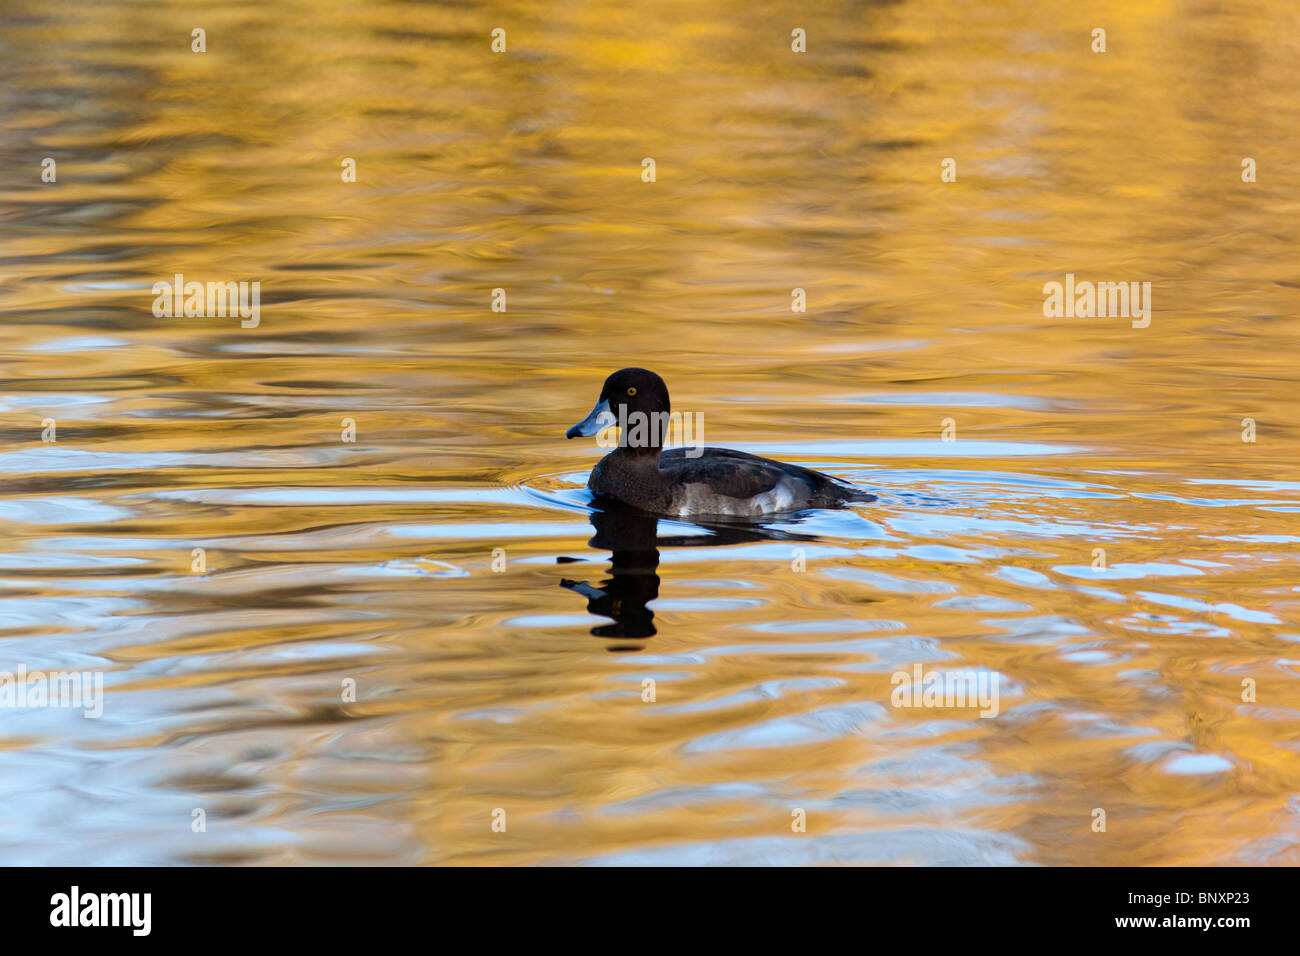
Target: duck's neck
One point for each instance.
(643, 457)
(641, 433)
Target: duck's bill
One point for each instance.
(599, 419)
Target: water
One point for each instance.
(373, 561)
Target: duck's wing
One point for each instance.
(738, 474)
(731, 473)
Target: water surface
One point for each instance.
(498, 627)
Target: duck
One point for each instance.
(693, 480)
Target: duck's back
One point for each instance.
(726, 482)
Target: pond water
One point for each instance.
(377, 481)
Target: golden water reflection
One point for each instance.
(480, 688)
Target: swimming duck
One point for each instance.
(691, 481)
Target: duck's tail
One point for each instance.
(838, 492)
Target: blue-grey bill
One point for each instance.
(600, 418)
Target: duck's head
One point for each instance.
(632, 389)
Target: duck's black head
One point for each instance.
(627, 391)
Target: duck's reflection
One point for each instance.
(633, 539)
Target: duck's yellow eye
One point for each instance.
(632, 390)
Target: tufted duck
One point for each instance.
(685, 481)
